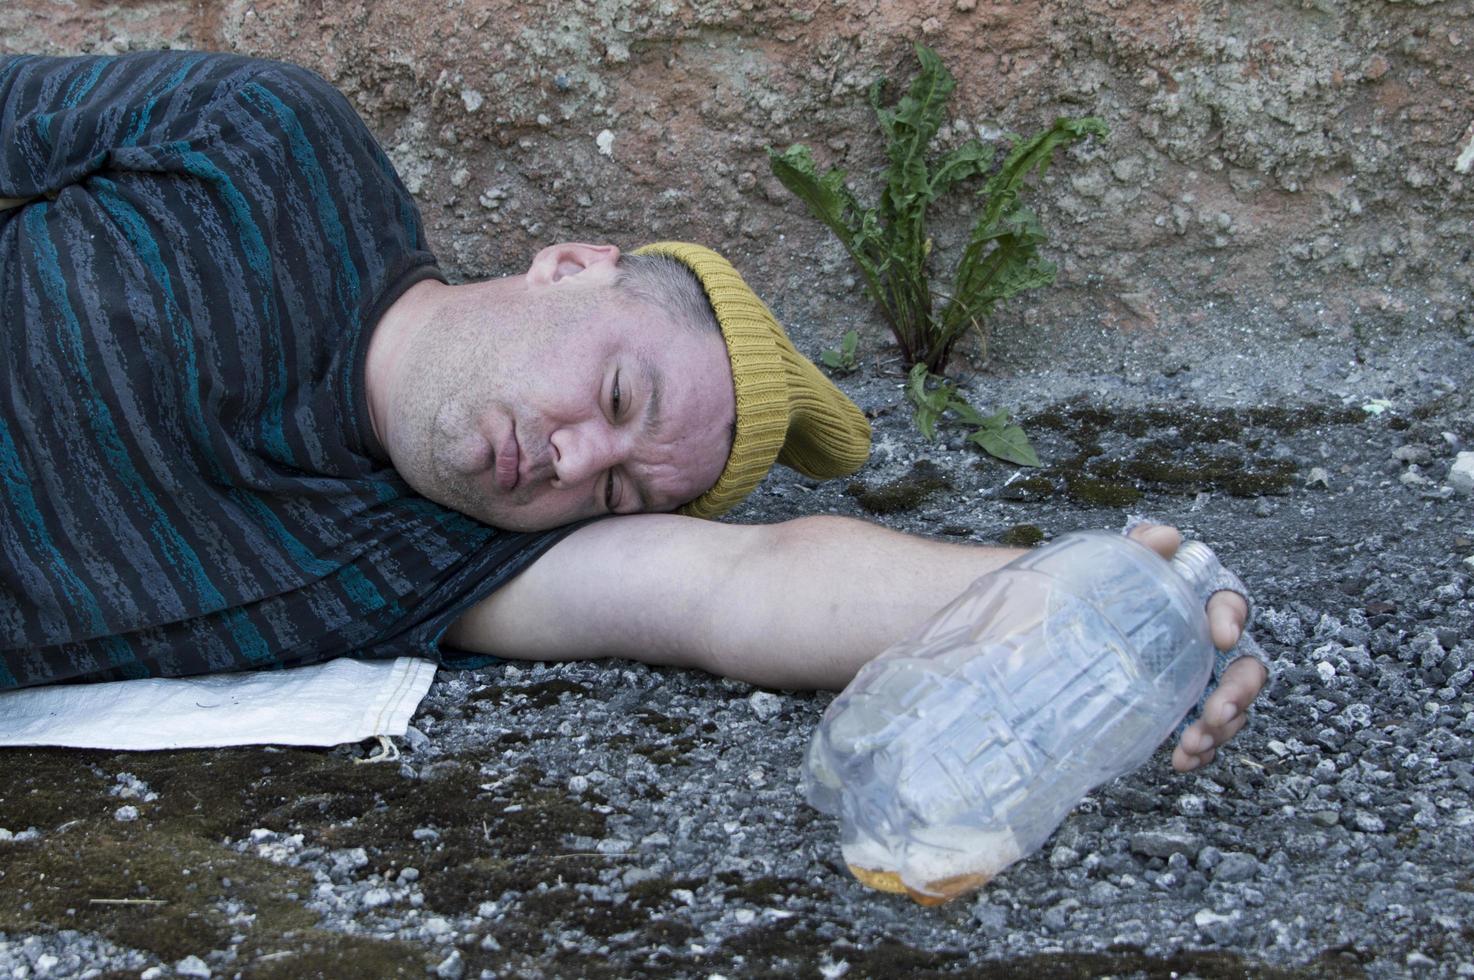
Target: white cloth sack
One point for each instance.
(324, 704)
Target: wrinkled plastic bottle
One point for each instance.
(959, 751)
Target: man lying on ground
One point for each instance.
(246, 423)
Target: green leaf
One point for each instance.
(829, 200)
(1008, 443)
(929, 404)
(842, 358)
(968, 160)
(826, 196)
(973, 417)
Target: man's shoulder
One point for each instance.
(185, 86)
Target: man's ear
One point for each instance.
(566, 259)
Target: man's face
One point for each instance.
(563, 410)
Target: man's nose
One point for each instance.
(582, 451)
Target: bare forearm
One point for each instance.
(823, 596)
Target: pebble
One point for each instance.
(192, 966)
(126, 814)
(764, 705)
(451, 968)
(1236, 866)
(1162, 843)
(1367, 822)
(1063, 857)
(1413, 452)
(1057, 917)
(130, 787)
(1222, 929)
(1461, 473)
(992, 918)
(377, 898)
(417, 741)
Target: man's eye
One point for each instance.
(609, 492)
(614, 398)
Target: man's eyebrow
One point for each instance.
(654, 382)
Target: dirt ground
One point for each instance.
(607, 819)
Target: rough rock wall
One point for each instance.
(1285, 167)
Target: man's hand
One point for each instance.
(1226, 709)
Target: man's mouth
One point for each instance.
(508, 460)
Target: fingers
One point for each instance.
(1226, 711)
(1239, 685)
(1227, 611)
(1226, 614)
(1161, 538)
(1224, 714)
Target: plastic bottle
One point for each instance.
(959, 751)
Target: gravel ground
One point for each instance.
(608, 819)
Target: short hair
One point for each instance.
(670, 286)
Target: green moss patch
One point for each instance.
(903, 493)
(1021, 536)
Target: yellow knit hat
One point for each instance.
(787, 410)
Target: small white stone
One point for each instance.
(1461, 474)
(744, 916)
(1368, 823)
(472, 98)
(377, 898)
(126, 814)
(451, 967)
(192, 966)
(605, 142)
(765, 705)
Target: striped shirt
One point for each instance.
(188, 479)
